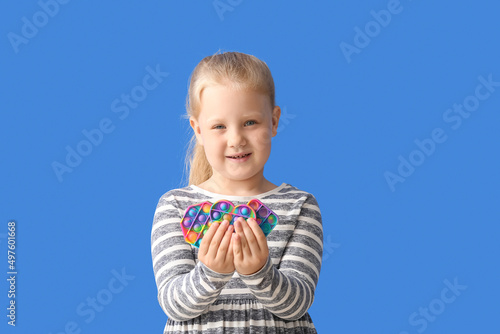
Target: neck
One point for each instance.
(250, 187)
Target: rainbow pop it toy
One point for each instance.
(196, 222)
(225, 210)
(198, 217)
(266, 218)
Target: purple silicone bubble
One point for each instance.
(263, 212)
(187, 222)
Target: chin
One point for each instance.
(239, 177)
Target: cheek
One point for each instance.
(212, 144)
(263, 138)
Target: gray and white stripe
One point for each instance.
(273, 300)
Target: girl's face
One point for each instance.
(235, 128)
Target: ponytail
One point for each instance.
(197, 166)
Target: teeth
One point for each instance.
(239, 156)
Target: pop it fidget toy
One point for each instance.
(198, 217)
(266, 218)
(225, 210)
(196, 222)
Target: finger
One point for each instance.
(258, 233)
(251, 240)
(214, 242)
(230, 252)
(224, 244)
(238, 225)
(219, 234)
(237, 251)
(216, 239)
(207, 239)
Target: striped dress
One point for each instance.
(273, 300)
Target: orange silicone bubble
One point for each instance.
(206, 208)
(191, 237)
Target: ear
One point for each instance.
(196, 129)
(276, 118)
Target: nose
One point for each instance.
(236, 139)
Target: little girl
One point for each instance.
(238, 281)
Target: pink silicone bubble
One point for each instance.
(254, 205)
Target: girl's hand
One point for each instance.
(249, 246)
(216, 248)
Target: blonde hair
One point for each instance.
(240, 71)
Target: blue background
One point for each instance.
(346, 120)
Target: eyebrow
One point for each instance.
(246, 115)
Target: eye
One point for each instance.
(218, 127)
(250, 123)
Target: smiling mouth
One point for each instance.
(241, 156)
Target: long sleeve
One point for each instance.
(287, 290)
(185, 288)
